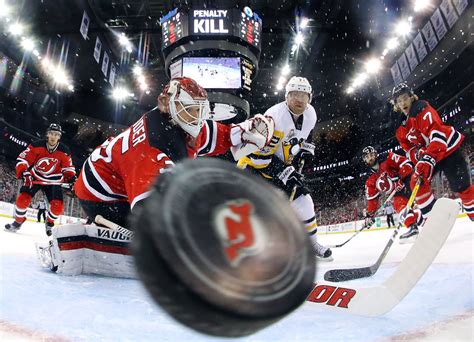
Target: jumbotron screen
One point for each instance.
(214, 72)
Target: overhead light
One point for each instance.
(137, 70)
(143, 86)
(70, 87)
(384, 53)
(28, 44)
(359, 80)
(60, 77)
(373, 65)
(279, 86)
(420, 5)
(299, 39)
(125, 42)
(120, 93)
(4, 9)
(392, 43)
(282, 80)
(16, 29)
(286, 70)
(304, 22)
(403, 28)
(350, 90)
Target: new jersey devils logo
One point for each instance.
(46, 165)
(384, 184)
(240, 231)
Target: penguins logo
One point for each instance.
(46, 165)
(241, 233)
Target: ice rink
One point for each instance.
(37, 305)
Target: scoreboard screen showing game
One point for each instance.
(250, 27)
(214, 72)
(173, 28)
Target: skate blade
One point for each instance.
(328, 259)
(409, 240)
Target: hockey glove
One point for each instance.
(68, 178)
(424, 168)
(399, 185)
(306, 152)
(27, 179)
(290, 177)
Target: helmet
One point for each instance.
(187, 93)
(368, 150)
(54, 128)
(297, 83)
(401, 89)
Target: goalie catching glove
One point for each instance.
(251, 135)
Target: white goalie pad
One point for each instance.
(88, 249)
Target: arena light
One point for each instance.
(282, 80)
(16, 29)
(350, 90)
(28, 44)
(125, 42)
(359, 80)
(137, 70)
(373, 65)
(120, 93)
(279, 86)
(5, 10)
(421, 5)
(60, 77)
(299, 39)
(286, 70)
(403, 28)
(392, 43)
(304, 22)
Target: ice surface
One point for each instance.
(36, 304)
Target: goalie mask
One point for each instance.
(189, 106)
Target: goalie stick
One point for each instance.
(363, 272)
(379, 299)
(99, 219)
(61, 184)
(389, 198)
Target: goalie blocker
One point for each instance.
(218, 248)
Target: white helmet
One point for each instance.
(297, 83)
(187, 93)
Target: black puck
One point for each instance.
(221, 250)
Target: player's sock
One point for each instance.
(467, 198)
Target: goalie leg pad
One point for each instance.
(89, 249)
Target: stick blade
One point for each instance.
(347, 274)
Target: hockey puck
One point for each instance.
(221, 250)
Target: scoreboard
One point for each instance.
(173, 28)
(242, 24)
(250, 27)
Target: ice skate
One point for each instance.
(12, 227)
(410, 235)
(323, 253)
(49, 226)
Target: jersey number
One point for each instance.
(105, 151)
(428, 114)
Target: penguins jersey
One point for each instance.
(276, 155)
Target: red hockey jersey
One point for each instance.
(425, 129)
(383, 179)
(46, 166)
(125, 167)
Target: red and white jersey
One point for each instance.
(45, 165)
(125, 167)
(425, 129)
(383, 179)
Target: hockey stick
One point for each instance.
(389, 198)
(293, 192)
(363, 272)
(99, 219)
(61, 184)
(379, 299)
